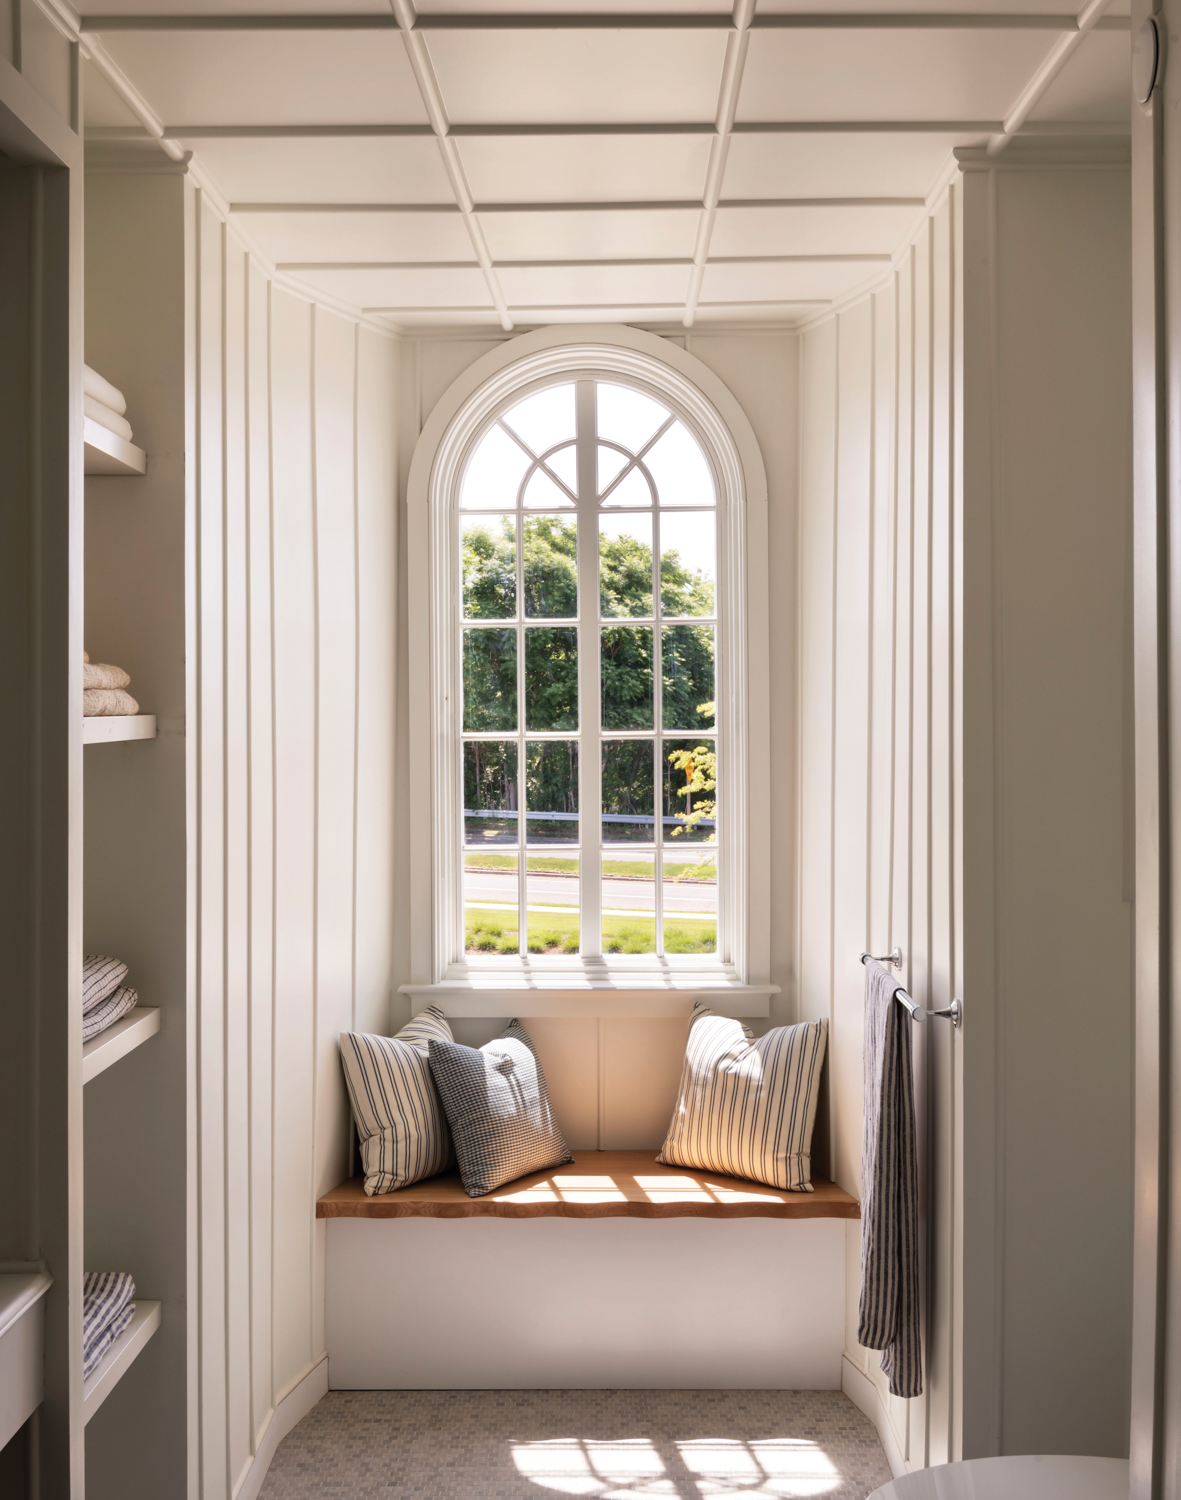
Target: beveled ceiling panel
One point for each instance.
(785, 283)
(543, 7)
(361, 237)
(570, 76)
(810, 231)
(888, 74)
(262, 77)
(851, 165)
(327, 171)
(598, 235)
(434, 287)
(1096, 84)
(584, 168)
(574, 286)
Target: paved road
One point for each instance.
(562, 890)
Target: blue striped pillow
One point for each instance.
(747, 1105)
(400, 1122)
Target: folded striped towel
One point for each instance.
(107, 1311)
(102, 390)
(103, 675)
(110, 1010)
(98, 703)
(107, 418)
(101, 977)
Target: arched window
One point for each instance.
(582, 693)
(587, 613)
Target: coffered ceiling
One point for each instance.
(484, 161)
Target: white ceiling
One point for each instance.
(526, 161)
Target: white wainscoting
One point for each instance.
(479, 1304)
(291, 745)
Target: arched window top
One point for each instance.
(585, 511)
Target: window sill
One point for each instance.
(590, 995)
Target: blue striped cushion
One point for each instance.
(107, 1310)
(400, 1122)
(747, 1105)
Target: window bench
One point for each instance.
(596, 1185)
(609, 1272)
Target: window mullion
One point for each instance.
(589, 755)
(658, 722)
(522, 862)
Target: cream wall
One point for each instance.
(270, 501)
(964, 782)
(614, 1081)
(879, 616)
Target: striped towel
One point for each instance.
(107, 1311)
(112, 1009)
(888, 1316)
(101, 977)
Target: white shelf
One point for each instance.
(22, 1348)
(103, 729)
(120, 1357)
(118, 1040)
(108, 453)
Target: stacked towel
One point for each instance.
(105, 998)
(107, 1311)
(103, 690)
(104, 404)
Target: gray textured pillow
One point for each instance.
(498, 1108)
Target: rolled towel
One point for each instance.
(101, 977)
(107, 1310)
(101, 675)
(112, 1009)
(102, 702)
(107, 418)
(102, 390)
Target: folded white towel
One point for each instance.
(107, 418)
(102, 390)
(101, 674)
(86, 656)
(99, 702)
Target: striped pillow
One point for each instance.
(747, 1105)
(403, 1130)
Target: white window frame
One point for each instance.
(736, 980)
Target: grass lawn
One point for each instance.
(493, 931)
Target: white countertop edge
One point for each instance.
(31, 1287)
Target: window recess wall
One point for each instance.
(965, 779)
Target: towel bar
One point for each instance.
(954, 1012)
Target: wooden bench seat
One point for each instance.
(596, 1185)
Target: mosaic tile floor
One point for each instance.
(525, 1445)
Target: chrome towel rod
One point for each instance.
(954, 1012)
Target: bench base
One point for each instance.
(554, 1303)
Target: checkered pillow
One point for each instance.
(498, 1108)
(400, 1122)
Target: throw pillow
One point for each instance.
(747, 1105)
(400, 1121)
(498, 1108)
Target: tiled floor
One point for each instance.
(524, 1445)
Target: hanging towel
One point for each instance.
(101, 977)
(107, 418)
(97, 702)
(888, 1315)
(108, 1011)
(102, 390)
(102, 675)
(107, 1310)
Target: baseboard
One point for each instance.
(861, 1390)
(294, 1406)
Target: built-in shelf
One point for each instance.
(104, 729)
(108, 453)
(22, 1347)
(120, 1357)
(118, 1040)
